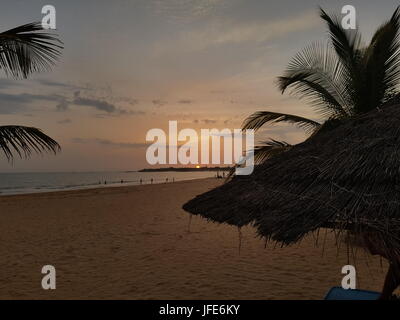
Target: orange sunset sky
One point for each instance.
(130, 66)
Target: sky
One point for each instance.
(131, 66)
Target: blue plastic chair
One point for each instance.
(338, 293)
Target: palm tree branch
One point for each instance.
(320, 97)
(258, 119)
(269, 149)
(382, 62)
(317, 73)
(347, 45)
(27, 49)
(24, 141)
(263, 152)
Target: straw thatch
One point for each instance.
(346, 176)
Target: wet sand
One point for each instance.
(134, 243)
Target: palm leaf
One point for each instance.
(316, 73)
(258, 119)
(269, 149)
(347, 45)
(264, 152)
(24, 141)
(382, 63)
(27, 49)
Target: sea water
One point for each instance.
(17, 183)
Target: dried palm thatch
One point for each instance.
(346, 176)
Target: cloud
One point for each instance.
(209, 121)
(263, 31)
(65, 121)
(99, 104)
(58, 84)
(131, 112)
(217, 91)
(63, 105)
(131, 101)
(15, 103)
(129, 145)
(7, 83)
(105, 142)
(186, 10)
(159, 102)
(95, 103)
(221, 32)
(18, 103)
(205, 121)
(185, 101)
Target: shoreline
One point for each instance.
(99, 187)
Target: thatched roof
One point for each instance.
(347, 177)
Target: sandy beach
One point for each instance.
(134, 243)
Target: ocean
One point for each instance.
(19, 183)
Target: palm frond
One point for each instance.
(24, 141)
(258, 119)
(316, 73)
(27, 49)
(347, 45)
(269, 149)
(382, 64)
(345, 42)
(262, 153)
